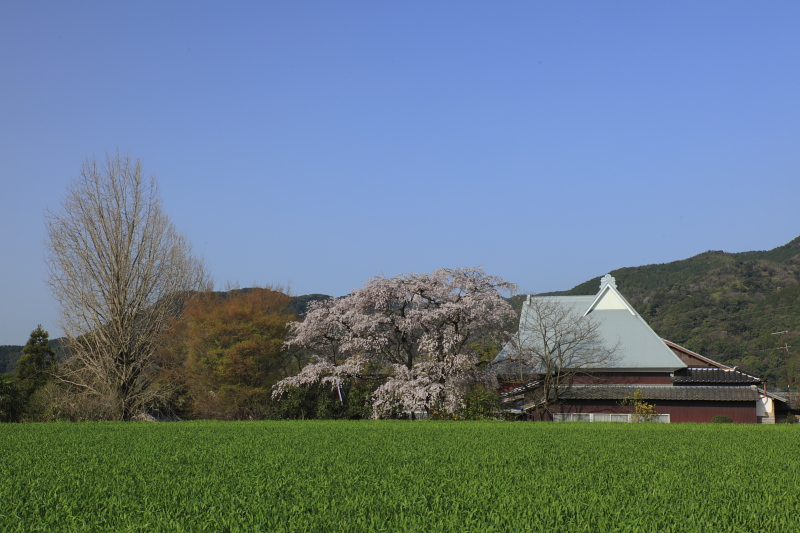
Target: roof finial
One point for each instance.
(608, 279)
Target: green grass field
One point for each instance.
(399, 476)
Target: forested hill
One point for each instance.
(726, 306)
(9, 355)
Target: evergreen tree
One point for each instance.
(37, 362)
(10, 404)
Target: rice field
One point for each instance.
(399, 476)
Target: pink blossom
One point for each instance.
(414, 330)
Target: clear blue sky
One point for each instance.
(319, 144)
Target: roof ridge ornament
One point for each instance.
(608, 279)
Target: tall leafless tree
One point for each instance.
(119, 270)
(553, 345)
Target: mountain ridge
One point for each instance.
(738, 308)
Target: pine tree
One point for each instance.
(37, 363)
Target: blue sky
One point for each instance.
(319, 144)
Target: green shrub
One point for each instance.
(481, 404)
(10, 400)
(359, 401)
(320, 401)
(721, 419)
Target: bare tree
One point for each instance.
(119, 270)
(553, 345)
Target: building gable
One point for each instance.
(636, 346)
(609, 299)
(692, 358)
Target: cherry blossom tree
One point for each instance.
(413, 332)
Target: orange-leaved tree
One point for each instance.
(227, 350)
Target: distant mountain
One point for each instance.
(299, 304)
(9, 355)
(727, 306)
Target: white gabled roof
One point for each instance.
(609, 299)
(638, 346)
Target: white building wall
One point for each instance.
(765, 410)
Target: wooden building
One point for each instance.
(682, 385)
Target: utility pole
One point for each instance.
(785, 349)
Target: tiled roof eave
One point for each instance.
(662, 392)
(728, 376)
(621, 370)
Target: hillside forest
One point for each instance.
(739, 309)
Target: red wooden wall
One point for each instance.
(679, 411)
